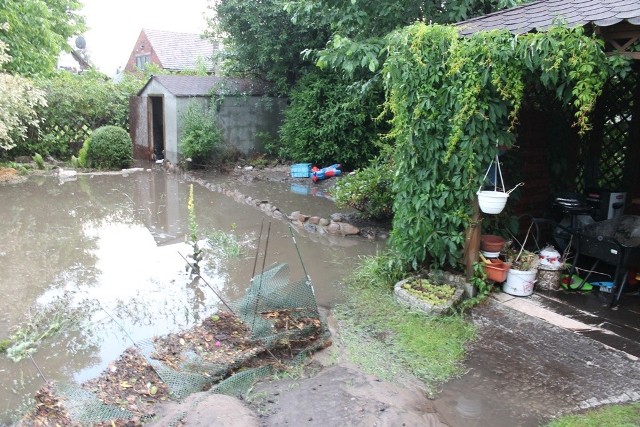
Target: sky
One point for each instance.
(115, 25)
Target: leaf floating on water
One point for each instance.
(153, 390)
(125, 384)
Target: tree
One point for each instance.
(262, 41)
(18, 103)
(358, 27)
(38, 31)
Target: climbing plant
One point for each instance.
(453, 101)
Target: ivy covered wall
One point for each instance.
(453, 101)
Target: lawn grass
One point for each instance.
(386, 339)
(609, 416)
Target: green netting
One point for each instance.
(281, 315)
(85, 408)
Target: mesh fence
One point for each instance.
(278, 317)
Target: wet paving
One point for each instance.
(106, 251)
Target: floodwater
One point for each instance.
(100, 258)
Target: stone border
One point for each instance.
(408, 300)
(334, 226)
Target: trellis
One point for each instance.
(606, 158)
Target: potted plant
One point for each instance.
(432, 294)
(521, 276)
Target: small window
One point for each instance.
(142, 61)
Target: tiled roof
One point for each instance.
(203, 85)
(180, 51)
(540, 14)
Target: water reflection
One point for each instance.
(111, 246)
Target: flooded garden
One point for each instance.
(93, 264)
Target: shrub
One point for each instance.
(368, 190)
(329, 123)
(110, 148)
(82, 154)
(200, 134)
(75, 105)
(39, 161)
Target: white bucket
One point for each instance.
(492, 202)
(520, 283)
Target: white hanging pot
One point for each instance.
(493, 202)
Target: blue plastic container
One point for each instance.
(301, 170)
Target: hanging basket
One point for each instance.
(493, 202)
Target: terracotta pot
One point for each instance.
(497, 271)
(491, 243)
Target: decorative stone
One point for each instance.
(348, 229)
(333, 228)
(294, 215)
(323, 222)
(277, 214)
(314, 220)
(312, 228)
(338, 217)
(303, 218)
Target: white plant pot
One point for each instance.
(492, 202)
(520, 283)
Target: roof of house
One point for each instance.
(180, 85)
(541, 14)
(180, 51)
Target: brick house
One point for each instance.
(171, 51)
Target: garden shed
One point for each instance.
(551, 157)
(246, 113)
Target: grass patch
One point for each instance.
(386, 339)
(609, 416)
(44, 322)
(225, 244)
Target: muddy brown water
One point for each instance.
(105, 250)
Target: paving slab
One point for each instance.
(525, 370)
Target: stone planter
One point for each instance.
(408, 300)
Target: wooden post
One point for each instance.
(472, 240)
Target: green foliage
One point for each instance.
(358, 28)
(328, 123)
(453, 100)
(260, 40)
(19, 103)
(42, 323)
(482, 285)
(39, 161)
(197, 252)
(225, 244)
(608, 416)
(83, 161)
(200, 134)
(110, 148)
(369, 190)
(382, 271)
(78, 104)
(38, 31)
(429, 292)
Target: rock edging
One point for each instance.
(336, 225)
